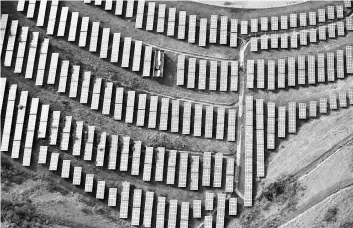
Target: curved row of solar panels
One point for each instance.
(301, 70)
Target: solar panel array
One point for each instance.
(260, 138)
(249, 115)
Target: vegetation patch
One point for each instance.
(22, 213)
(10, 175)
(331, 214)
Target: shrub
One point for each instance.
(330, 215)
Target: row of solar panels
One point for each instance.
(129, 53)
(301, 71)
(85, 142)
(98, 98)
(212, 76)
(215, 32)
(286, 121)
(297, 39)
(131, 198)
(76, 175)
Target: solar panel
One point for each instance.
(213, 29)
(135, 219)
(89, 182)
(340, 64)
(221, 198)
(284, 40)
(292, 116)
(83, 32)
(347, 3)
(126, 52)
(312, 18)
(124, 159)
(323, 105)
(303, 37)
(349, 59)
(264, 42)
(233, 206)
(52, 17)
(333, 101)
(234, 73)
(31, 8)
(141, 110)
(65, 171)
(194, 180)
(19, 123)
(77, 176)
(161, 17)
(192, 29)
(203, 32)
(184, 213)
(147, 167)
(198, 120)
(21, 48)
(349, 23)
(42, 62)
(321, 67)
(65, 137)
(171, 166)
(191, 73)
(175, 116)
(85, 87)
(54, 127)
(183, 167)
(331, 30)
(113, 150)
(150, 16)
(100, 190)
(302, 19)
(291, 71)
(224, 30)
(148, 209)
(52, 68)
(330, 12)
(322, 33)
(96, 94)
(313, 35)
(76, 151)
(62, 23)
(137, 56)
(294, 40)
(274, 41)
(302, 111)
(322, 15)
(243, 27)
(186, 118)
(160, 212)
(94, 37)
(293, 20)
(41, 13)
(311, 69)
(112, 197)
(213, 75)
(224, 76)
(135, 167)
(105, 43)
(217, 178)
(209, 122)
(173, 209)
(340, 28)
(160, 164)
(330, 66)
(250, 66)
(42, 157)
(260, 78)
(220, 123)
(98, 2)
(129, 8)
(171, 22)
(101, 149)
(74, 80)
(11, 43)
(89, 144)
(274, 23)
(152, 118)
(140, 13)
(196, 209)
(264, 23)
(233, 40)
(21, 5)
(254, 25)
(284, 22)
(312, 109)
(147, 61)
(54, 159)
(282, 122)
(163, 124)
(108, 5)
(119, 7)
(181, 25)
